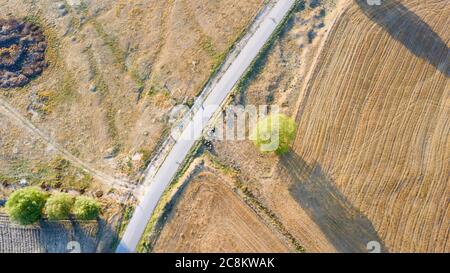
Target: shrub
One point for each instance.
(314, 4)
(25, 206)
(86, 208)
(274, 133)
(58, 206)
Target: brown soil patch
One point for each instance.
(210, 217)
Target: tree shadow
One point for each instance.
(92, 236)
(408, 28)
(343, 225)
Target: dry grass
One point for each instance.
(118, 67)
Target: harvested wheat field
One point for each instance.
(374, 129)
(210, 217)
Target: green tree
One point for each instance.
(25, 206)
(58, 206)
(274, 133)
(86, 208)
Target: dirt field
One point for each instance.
(371, 161)
(374, 122)
(210, 217)
(117, 68)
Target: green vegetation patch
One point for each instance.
(274, 133)
(25, 206)
(86, 208)
(59, 206)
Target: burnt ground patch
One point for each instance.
(22, 52)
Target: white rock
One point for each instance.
(136, 157)
(23, 182)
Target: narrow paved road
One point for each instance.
(193, 130)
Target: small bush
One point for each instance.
(322, 13)
(311, 35)
(25, 206)
(58, 206)
(86, 208)
(300, 6)
(314, 4)
(274, 133)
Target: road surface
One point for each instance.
(194, 129)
